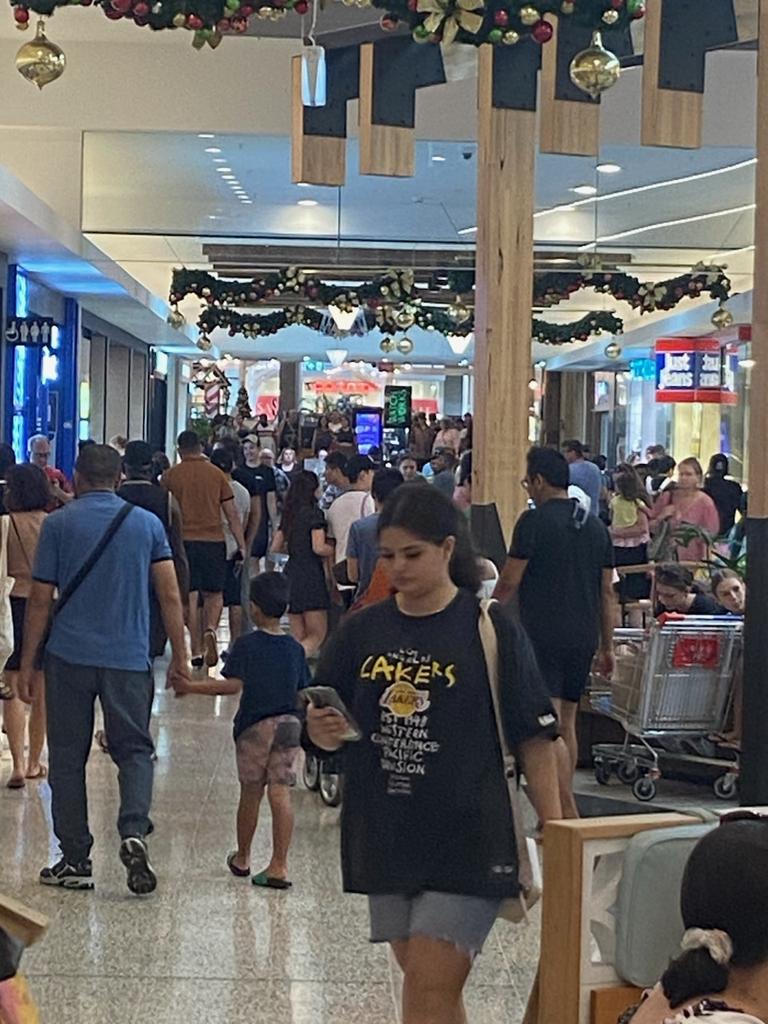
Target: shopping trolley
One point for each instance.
(675, 679)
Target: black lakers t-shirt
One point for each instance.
(425, 799)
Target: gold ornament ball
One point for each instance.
(529, 15)
(610, 17)
(405, 346)
(510, 37)
(204, 343)
(41, 61)
(387, 345)
(176, 319)
(612, 351)
(722, 318)
(595, 69)
(179, 20)
(405, 319)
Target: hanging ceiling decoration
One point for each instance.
(209, 20)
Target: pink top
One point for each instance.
(23, 533)
(699, 511)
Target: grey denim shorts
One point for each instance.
(464, 921)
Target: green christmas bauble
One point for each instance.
(420, 34)
(495, 35)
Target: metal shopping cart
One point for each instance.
(675, 679)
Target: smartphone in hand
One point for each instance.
(327, 697)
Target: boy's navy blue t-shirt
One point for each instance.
(273, 669)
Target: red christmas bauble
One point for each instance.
(141, 9)
(245, 12)
(542, 31)
(121, 5)
(413, 5)
(224, 25)
(301, 7)
(501, 18)
(239, 24)
(193, 21)
(387, 24)
(21, 14)
(617, 4)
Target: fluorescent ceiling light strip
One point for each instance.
(731, 252)
(699, 176)
(668, 224)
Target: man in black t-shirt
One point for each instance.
(560, 566)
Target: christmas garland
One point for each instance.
(389, 321)
(500, 21)
(208, 19)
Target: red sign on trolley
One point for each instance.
(697, 652)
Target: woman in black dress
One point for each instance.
(302, 537)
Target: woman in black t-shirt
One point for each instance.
(302, 537)
(675, 592)
(426, 826)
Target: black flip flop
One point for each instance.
(236, 871)
(264, 881)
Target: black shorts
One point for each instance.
(565, 670)
(233, 584)
(207, 565)
(18, 608)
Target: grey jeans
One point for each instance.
(126, 698)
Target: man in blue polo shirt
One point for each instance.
(98, 646)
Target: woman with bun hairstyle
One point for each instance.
(721, 975)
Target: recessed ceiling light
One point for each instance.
(466, 231)
(228, 177)
(206, 135)
(219, 159)
(584, 190)
(223, 170)
(213, 149)
(302, 184)
(212, 216)
(438, 159)
(307, 202)
(247, 202)
(609, 168)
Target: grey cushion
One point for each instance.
(648, 922)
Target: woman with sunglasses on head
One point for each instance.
(427, 828)
(722, 975)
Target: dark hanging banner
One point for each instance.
(34, 331)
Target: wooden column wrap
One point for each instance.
(504, 286)
(671, 117)
(384, 149)
(316, 159)
(567, 126)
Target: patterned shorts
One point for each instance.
(266, 752)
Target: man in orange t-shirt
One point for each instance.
(203, 493)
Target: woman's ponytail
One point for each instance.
(692, 974)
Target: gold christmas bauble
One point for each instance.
(405, 319)
(612, 350)
(40, 61)
(510, 37)
(204, 343)
(176, 319)
(722, 318)
(610, 17)
(529, 15)
(387, 345)
(179, 20)
(405, 346)
(595, 69)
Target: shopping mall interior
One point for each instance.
(310, 207)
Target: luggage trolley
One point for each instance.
(674, 679)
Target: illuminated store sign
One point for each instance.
(695, 370)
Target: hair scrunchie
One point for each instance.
(717, 943)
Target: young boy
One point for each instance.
(267, 668)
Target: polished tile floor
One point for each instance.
(208, 948)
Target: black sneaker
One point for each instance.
(68, 876)
(135, 857)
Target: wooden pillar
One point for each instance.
(754, 764)
(504, 277)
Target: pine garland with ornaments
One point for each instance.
(210, 20)
(504, 22)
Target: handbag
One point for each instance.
(80, 576)
(6, 586)
(528, 866)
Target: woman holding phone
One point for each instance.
(426, 825)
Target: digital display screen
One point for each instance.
(397, 406)
(367, 431)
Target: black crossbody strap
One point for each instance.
(92, 559)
